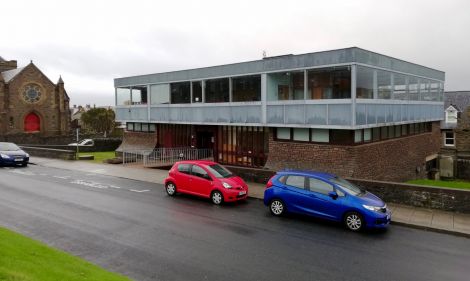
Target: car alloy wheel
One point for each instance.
(170, 189)
(277, 207)
(353, 221)
(217, 197)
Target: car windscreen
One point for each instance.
(9, 147)
(347, 186)
(219, 171)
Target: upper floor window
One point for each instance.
(330, 83)
(139, 95)
(160, 94)
(286, 86)
(246, 88)
(449, 139)
(123, 96)
(365, 83)
(180, 92)
(217, 90)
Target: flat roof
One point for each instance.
(286, 62)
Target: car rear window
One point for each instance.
(183, 168)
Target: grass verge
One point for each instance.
(450, 183)
(99, 156)
(25, 259)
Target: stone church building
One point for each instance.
(30, 103)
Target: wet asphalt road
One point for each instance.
(133, 228)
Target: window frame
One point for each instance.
(320, 180)
(287, 179)
(447, 138)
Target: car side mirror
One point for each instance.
(333, 194)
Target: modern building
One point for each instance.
(455, 151)
(349, 111)
(30, 103)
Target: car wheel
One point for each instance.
(277, 207)
(170, 189)
(217, 197)
(24, 164)
(354, 221)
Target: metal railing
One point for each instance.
(164, 156)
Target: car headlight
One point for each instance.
(4, 156)
(372, 208)
(27, 155)
(226, 185)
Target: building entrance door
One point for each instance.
(205, 140)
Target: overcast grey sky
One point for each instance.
(91, 42)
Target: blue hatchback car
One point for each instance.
(326, 196)
(12, 155)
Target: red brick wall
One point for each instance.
(395, 159)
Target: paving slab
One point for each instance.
(444, 220)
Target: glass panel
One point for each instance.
(391, 132)
(301, 134)
(130, 126)
(434, 90)
(320, 135)
(197, 91)
(424, 90)
(331, 83)
(137, 127)
(358, 136)
(367, 135)
(320, 186)
(397, 131)
(404, 130)
(217, 90)
(286, 86)
(365, 83)
(139, 94)
(341, 136)
(399, 91)
(375, 134)
(296, 181)
(246, 88)
(180, 93)
(151, 127)
(283, 133)
(123, 96)
(384, 84)
(160, 94)
(383, 133)
(413, 87)
(145, 127)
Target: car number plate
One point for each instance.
(388, 217)
(242, 193)
(18, 159)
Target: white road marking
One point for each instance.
(90, 184)
(113, 186)
(139, 191)
(98, 171)
(26, 173)
(43, 174)
(61, 177)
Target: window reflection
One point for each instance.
(286, 86)
(217, 90)
(246, 88)
(332, 83)
(123, 96)
(364, 83)
(180, 92)
(139, 95)
(197, 91)
(399, 91)
(384, 84)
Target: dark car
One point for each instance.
(12, 155)
(326, 196)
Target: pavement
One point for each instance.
(422, 218)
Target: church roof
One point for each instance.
(10, 74)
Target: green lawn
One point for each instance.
(100, 156)
(440, 183)
(24, 259)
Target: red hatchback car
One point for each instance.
(205, 179)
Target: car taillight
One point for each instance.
(270, 183)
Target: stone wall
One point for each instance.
(397, 159)
(50, 153)
(456, 200)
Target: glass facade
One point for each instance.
(217, 90)
(180, 92)
(365, 83)
(246, 88)
(139, 95)
(160, 94)
(285, 86)
(123, 96)
(329, 83)
(197, 91)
